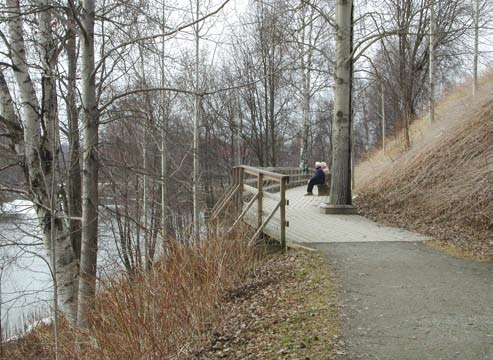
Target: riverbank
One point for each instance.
(284, 306)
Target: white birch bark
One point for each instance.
(340, 192)
(40, 149)
(147, 248)
(306, 79)
(88, 262)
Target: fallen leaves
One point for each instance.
(284, 310)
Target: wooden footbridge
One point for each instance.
(272, 201)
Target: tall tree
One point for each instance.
(35, 139)
(476, 47)
(340, 192)
(431, 90)
(74, 172)
(88, 261)
(196, 120)
(310, 35)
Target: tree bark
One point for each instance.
(88, 262)
(306, 79)
(74, 176)
(340, 193)
(164, 153)
(196, 170)
(383, 117)
(476, 48)
(431, 94)
(40, 147)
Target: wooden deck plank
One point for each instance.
(308, 225)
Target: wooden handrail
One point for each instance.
(266, 181)
(267, 174)
(239, 185)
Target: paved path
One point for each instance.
(399, 299)
(406, 301)
(306, 224)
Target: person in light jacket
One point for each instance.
(318, 178)
(325, 169)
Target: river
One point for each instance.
(26, 290)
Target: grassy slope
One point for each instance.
(442, 186)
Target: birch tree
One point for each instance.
(312, 59)
(35, 139)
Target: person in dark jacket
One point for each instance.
(318, 178)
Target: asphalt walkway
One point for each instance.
(406, 301)
(399, 299)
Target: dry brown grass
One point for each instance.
(287, 309)
(442, 186)
(451, 111)
(154, 315)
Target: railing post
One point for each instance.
(240, 189)
(283, 212)
(235, 181)
(260, 185)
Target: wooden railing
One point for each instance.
(257, 184)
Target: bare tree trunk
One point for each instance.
(308, 39)
(239, 126)
(431, 94)
(404, 84)
(53, 239)
(145, 210)
(476, 48)
(49, 118)
(383, 117)
(271, 119)
(305, 68)
(88, 262)
(74, 177)
(407, 122)
(164, 154)
(145, 193)
(164, 184)
(38, 146)
(340, 193)
(196, 170)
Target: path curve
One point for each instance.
(307, 224)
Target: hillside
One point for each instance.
(442, 186)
